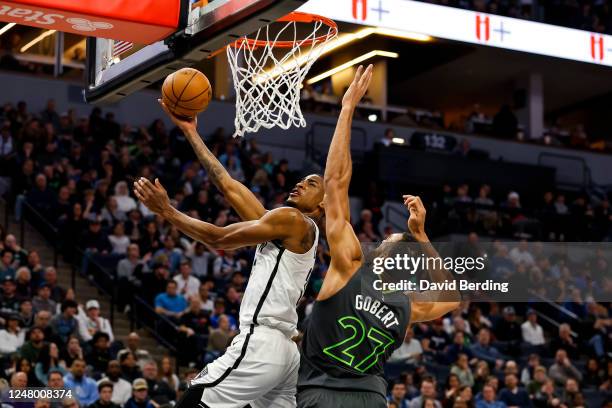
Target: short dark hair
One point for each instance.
(105, 384)
(69, 303)
(54, 371)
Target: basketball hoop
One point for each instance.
(268, 70)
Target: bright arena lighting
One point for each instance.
(6, 28)
(348, 64)
(37, 39)
(341, 41)
(398, 140)
(372, 117)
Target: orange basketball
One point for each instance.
(186, 92)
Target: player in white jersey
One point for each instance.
(260, 367)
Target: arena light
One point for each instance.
(405, 35)
(398, 140)
(7, 27)
(341, 41)
(348, 64)
(372, 117)
(37, 39)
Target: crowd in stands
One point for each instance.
(48, 340)
(76, 172)
(588, 15)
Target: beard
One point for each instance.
(291, 204)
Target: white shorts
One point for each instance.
(259, 368)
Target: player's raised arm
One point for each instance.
(237, 194)
(285, 224)
(344, 246)
(428, 305)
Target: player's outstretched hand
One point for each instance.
(416, 222)
(358, 87)
(185, 124)
(153, 196)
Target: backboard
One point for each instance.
(116, 69)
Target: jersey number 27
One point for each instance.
(344, 351)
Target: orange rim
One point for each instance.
(297, 17)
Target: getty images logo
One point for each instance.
(41, 18)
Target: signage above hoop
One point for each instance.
(470, 27)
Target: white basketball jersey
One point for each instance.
(277, 282)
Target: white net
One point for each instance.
(268, 71)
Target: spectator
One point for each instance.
(159, 391)
(219, 339)
(539, 378)
(387, 139)
(172, 253)
(133, 346)
(156, 282)
(122, 389)
(483, 350)
(83, 387)
(513, 395)
(127, 270)
(458, 347)
(436, 340)
(169, 303)
(219, 311)
(546, 396)
(187, 285)
(140, 397)
(41, 197)
(65, 324)
(48, 362)
(206, 302)
(125, 203)
(562, 369)
(23, 283)
(43, 300)
(201, 257)
(72, 351)
(489, 399)
(409, 352)
(398, 395)
(93, 323)
(532, 332)
(565, 341)
(94, 240)
(58, 293)
(55, 380)
(12, 336)
(7, 270)
(129, 367)
(99, 354)
(118, 240)
(9, 302)
(168, 375)
(462, 370)
(226, 265)
(428, 390)
(105, 392)
(508, 331)
(31, 348)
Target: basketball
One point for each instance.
(186, 92)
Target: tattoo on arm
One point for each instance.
(214, 168)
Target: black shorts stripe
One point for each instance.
(260, 304)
